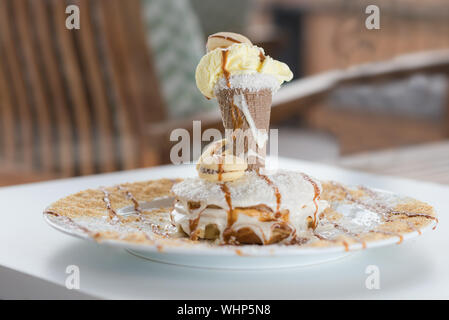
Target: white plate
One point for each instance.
(204, 255)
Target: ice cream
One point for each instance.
(236, 57)
(243, 79)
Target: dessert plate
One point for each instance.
(135, 216)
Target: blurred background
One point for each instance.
(107, 96)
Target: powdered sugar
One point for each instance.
(252, 82)
(296, 194)
(251, 190)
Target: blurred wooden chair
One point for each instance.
(77, 102)
(360, 129)
(74, 102)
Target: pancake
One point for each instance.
(257, 208)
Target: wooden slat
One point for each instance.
(144, 67)
(42, 112)
(13, 173)
(7, 118)
(117, 71)
(93, 76)
(152, 109)
(17, 86)
(79, 99)
(74, 80)
(124, 58)
(65, 138)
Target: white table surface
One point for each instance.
(34, 257)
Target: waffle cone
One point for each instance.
(259, 107)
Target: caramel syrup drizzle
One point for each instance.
(231, 216)
(412, 226)
(320, 237)
(225, 37)
(388, 233)
(276, 192)
(315, 198)
(224, 60)
(236, 117)
(220, 170)
(278, 215)
(193, 225)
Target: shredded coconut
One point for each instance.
(252, 82)
(250, 190)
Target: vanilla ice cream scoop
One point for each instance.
(233, 54)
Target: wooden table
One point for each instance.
(427, 162)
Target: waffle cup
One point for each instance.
(234, 121)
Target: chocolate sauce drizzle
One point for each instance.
(131, 197)
(384, 212)
(416, 214)
(113, 216)
(355, 236)
(71, 222)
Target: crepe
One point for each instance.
(259, 208)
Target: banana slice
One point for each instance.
(224, 40)
(218, 164)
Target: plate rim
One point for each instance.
(241, 250)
